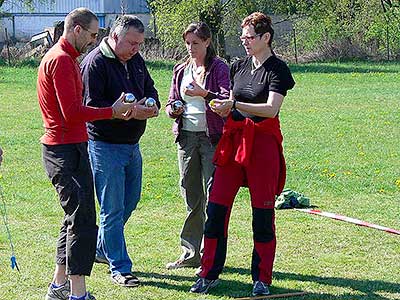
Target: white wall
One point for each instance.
(145, 18)
(26, 26)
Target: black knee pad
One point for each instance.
(263, 225)
(215, 224)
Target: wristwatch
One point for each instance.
(234, 104)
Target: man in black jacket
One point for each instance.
(115, 66)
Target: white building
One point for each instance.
(22, 22)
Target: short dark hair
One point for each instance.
(261, 23)
(122, 23)
(79, 16)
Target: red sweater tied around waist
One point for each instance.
(246, 130)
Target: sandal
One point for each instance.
(126, 280)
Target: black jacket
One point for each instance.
(104, 79)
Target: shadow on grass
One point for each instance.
(367, 289)
(166, 281)
(342, 68)
(363, 289)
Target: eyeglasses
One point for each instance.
(249, 38)
(92, 34)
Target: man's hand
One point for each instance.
(142, 112)
(120, 108)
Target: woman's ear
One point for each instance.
(208, 42)
(267, 37)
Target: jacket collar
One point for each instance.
(106, 50)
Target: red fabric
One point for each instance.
(207, 261)
(242, 133)
(261, 176)
(59, 90)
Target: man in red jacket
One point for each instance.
(65, 155)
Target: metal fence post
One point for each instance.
(8, 46)
(295, 45)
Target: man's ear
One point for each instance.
(77, 29)
(114, 36)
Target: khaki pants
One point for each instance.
(195, 154)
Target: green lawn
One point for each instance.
(341, 140)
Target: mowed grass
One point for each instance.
(341, 140)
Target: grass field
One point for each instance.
(341, 140)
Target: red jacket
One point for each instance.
(59, 90)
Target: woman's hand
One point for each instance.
(221, 107)
(196, 90)
(176, 111)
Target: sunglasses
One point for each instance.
(92, 34)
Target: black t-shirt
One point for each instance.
(253, 86)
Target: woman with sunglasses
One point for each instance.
(201, 78)
(248, 154)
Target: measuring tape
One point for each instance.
(348, 219)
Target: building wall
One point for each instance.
(25, 23)
(145, 18)
(25, 26)
(53, 6)
(130, 6)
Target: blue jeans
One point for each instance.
(117, 171)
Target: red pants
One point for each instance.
(261, 176)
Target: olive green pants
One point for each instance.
(195, 154)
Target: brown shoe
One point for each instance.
(181, 264)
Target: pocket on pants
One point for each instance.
(182, 141)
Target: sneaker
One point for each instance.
(59, 293)
(88, 296)
(181, 264)
(260, 289)
(101, 260)
(202, 285)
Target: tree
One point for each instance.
(172, 17)
(30, 4)
(346, 28)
